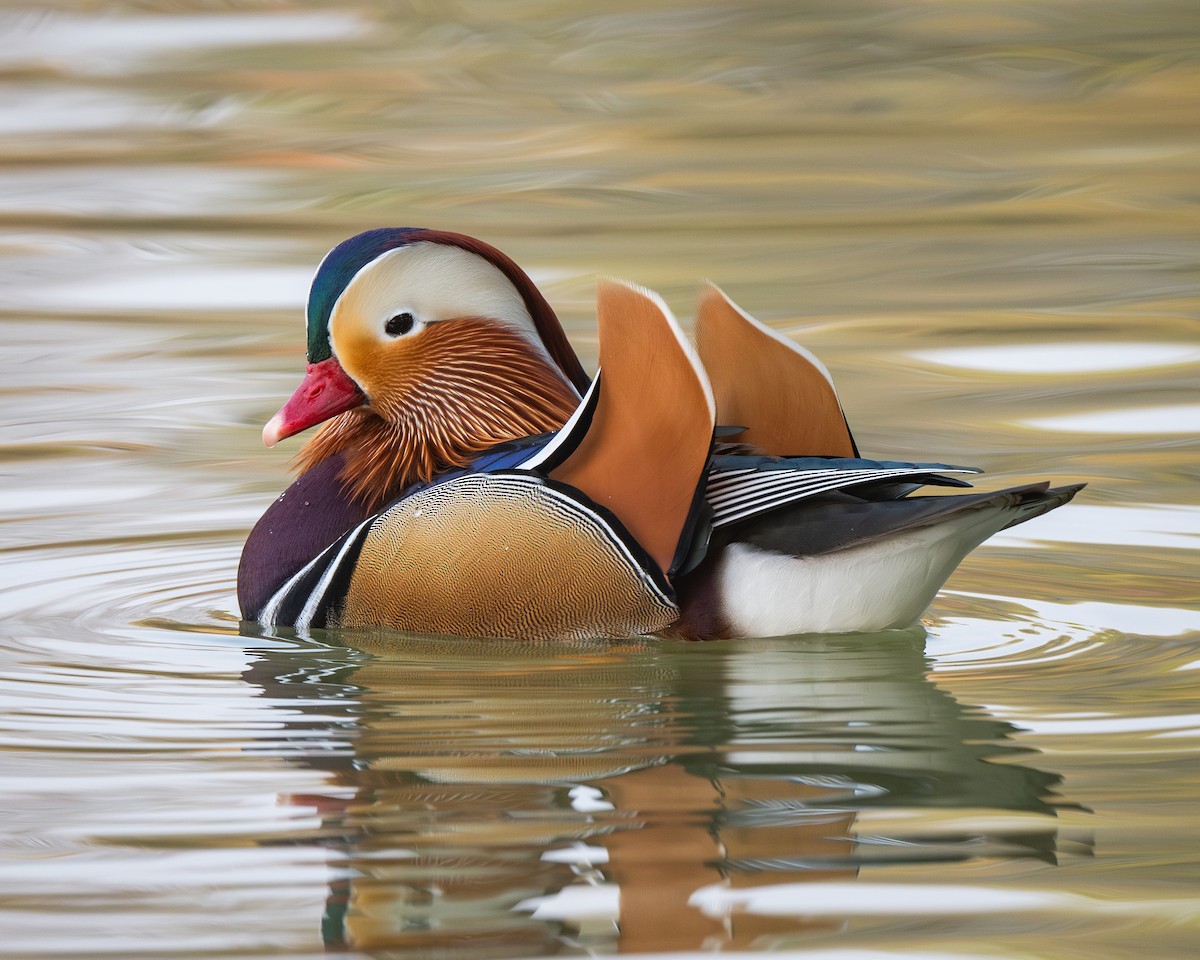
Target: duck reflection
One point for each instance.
(495, 798)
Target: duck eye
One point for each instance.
(400, 324)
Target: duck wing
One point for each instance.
(841, 521)
(739, 488)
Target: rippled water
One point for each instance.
(981, 216)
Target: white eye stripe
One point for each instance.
(436, 282)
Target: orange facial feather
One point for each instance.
(459, 387)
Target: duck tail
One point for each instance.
(842, 564)
(1041, 498)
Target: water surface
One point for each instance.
(981, 217)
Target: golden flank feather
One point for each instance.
(456, 388)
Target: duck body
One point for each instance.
(493, 543)
(470, 480)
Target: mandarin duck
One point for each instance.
(469, 479)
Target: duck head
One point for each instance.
(424, 347)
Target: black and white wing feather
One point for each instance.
(740, 487)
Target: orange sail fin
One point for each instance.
(647, 446)
(762, 381)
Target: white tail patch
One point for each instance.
(880, 585)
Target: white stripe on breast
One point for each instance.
(310, 606)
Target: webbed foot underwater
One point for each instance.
(469, 479)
